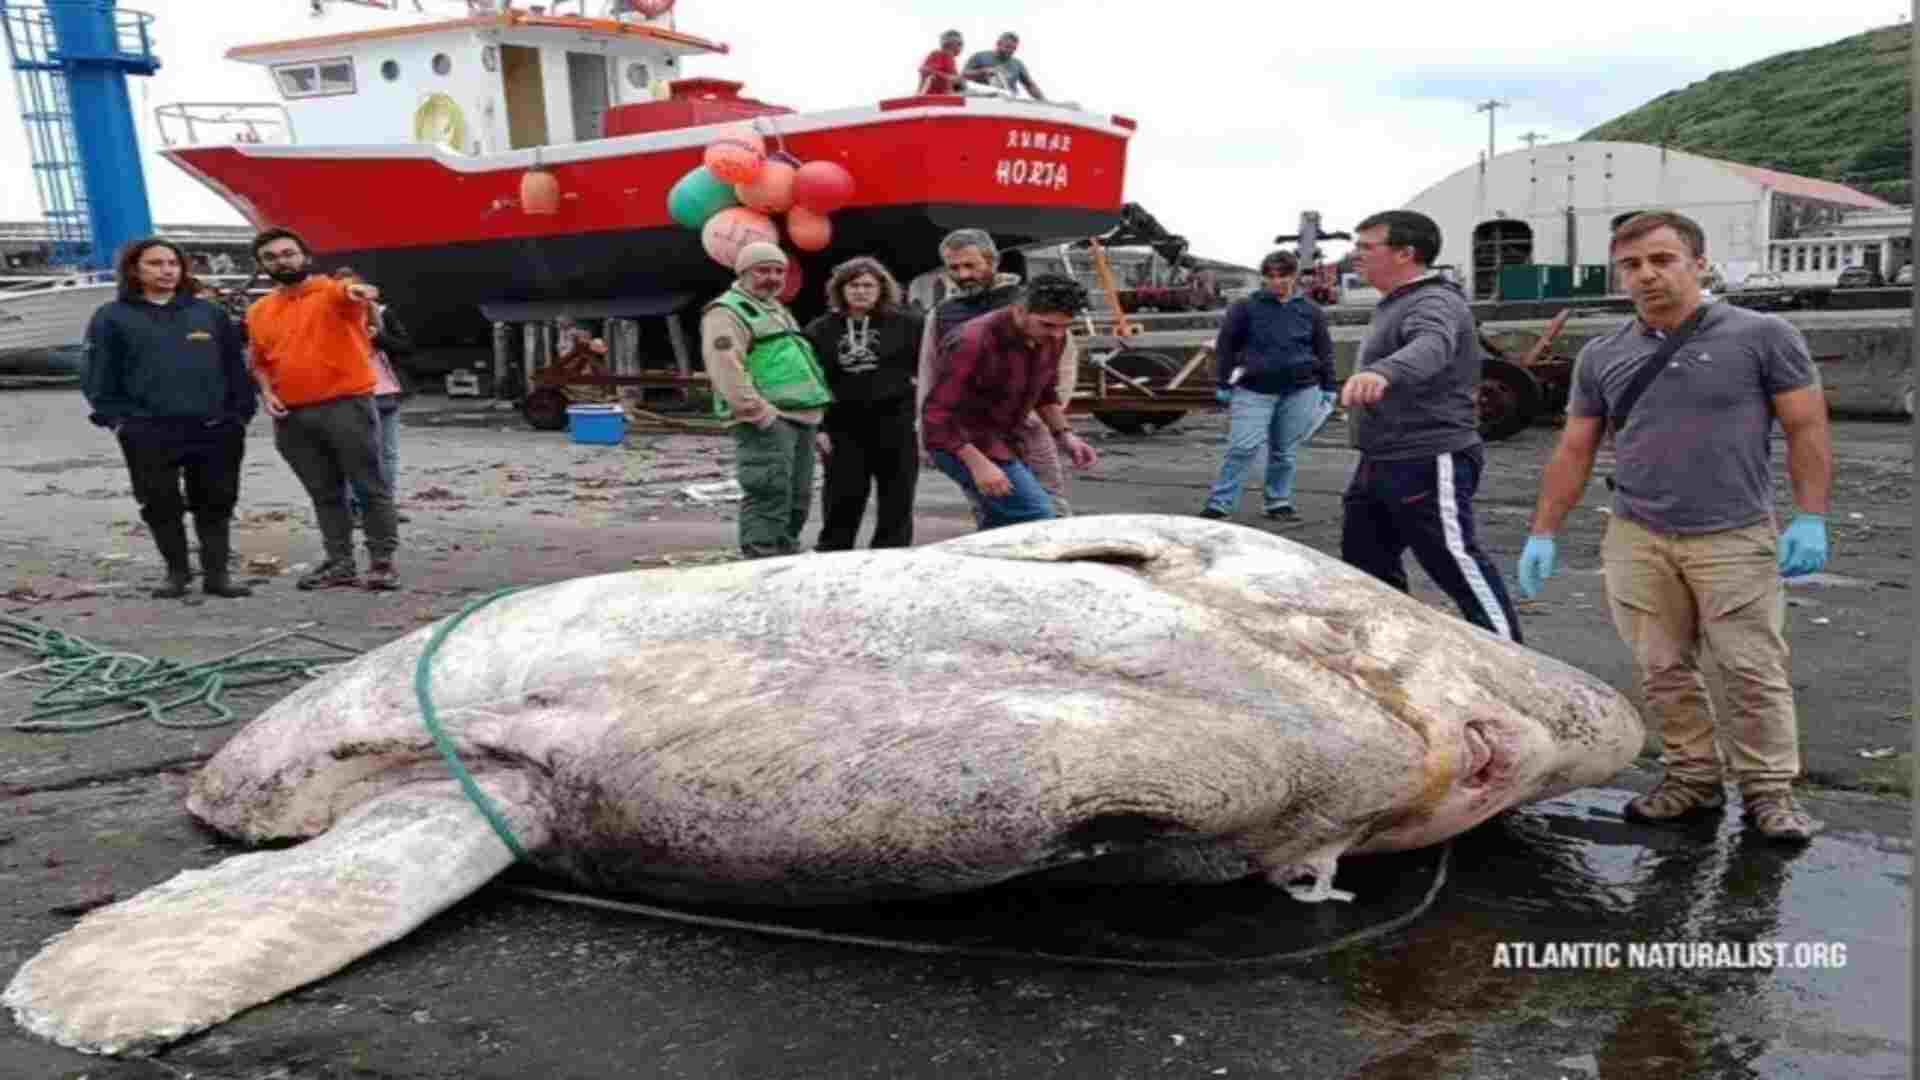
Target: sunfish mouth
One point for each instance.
(1483, 759)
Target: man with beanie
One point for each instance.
(768, 385)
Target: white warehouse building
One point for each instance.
(1555, 205)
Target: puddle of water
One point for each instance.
(1654, 931)
(1493, 972)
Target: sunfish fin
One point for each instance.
(206, 944)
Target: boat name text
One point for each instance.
(1023, 173)
(1039, 140)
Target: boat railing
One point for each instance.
(210, 123)
(13, 284)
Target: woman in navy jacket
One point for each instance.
(166, 372)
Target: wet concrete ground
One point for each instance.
(505, 985)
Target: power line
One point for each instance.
(1487, 107)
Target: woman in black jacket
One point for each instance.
(868, 345)
(166, 372)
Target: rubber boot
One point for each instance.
(216, 548)
(171, 539)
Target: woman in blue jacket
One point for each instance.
(166, 372)
(1275, 361)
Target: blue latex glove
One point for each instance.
(1536, 565)
(1223, 395)
(1803, 547)
(1329, 397)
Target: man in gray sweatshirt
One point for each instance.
(1414, 391)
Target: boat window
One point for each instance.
(390, 70)
(442, 63)
(637, 76)
(315, 78)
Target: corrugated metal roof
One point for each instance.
(1806, 186)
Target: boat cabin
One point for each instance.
(489, 83)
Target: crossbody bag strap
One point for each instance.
(1651, 367)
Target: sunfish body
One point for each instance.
(1198, 700)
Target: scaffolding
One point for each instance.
(40, 85)
(81, 50)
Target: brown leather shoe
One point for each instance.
(1676, 800)
(1776, 815)
(382, 576)
(332, 575)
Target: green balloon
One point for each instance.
(698, 196)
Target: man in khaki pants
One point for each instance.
(1690, 553)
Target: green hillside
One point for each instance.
(1837, 112)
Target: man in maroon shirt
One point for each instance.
(997, 369)
(939, 74)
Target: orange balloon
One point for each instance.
(726, 232)
(736, 155)
(772, 191)
(539, 192)
(809, 231)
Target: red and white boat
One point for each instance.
(401, 151)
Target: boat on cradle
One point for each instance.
(43, 320)
(401, 151)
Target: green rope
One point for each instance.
(82, 678)
(423, 690)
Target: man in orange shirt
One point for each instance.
(313, 360)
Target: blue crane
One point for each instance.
(71, 59)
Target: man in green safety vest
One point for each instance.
(769, 387)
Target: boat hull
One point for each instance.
(445, 236)
(42, 328)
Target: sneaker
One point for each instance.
(382, 576)
(1776, 816)
(1210, 512)
(1283, 513)
(1675, 800)
(330, 575)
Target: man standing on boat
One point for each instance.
(768, 385)
(997, 371)
(979, 288)
(938, 73)
(999, 67)
(167, 374)
(312, 356)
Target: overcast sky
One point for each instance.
(1249, 111)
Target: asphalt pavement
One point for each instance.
(1560, 941)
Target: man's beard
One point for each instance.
(289, 277)
(971, 286)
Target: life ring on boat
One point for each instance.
(439, 122)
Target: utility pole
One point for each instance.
(1487, 107)
(1530, 138)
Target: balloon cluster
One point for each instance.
(738, 190)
